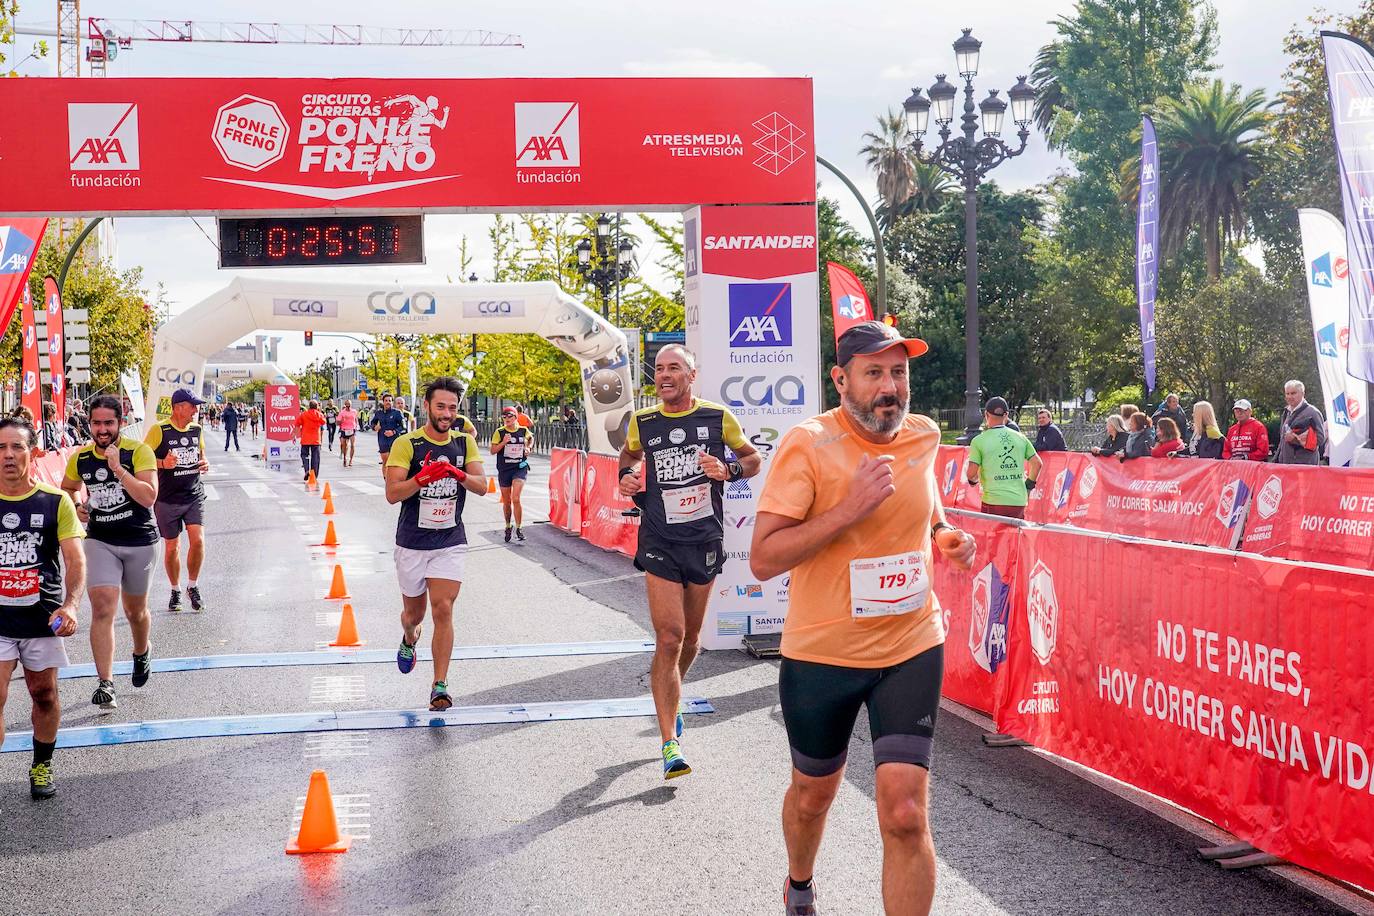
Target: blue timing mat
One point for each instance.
(366, 657)
(348, 720)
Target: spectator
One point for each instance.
(1247, 440)
(1126, 411)
(1207, 440)
(1302, 428)
(1003, 463)
(521, 417)
(1171, 408)
(1168, 443)
(570, 417)
(53, 437)
(1048, 437)
(1115, 440)
(231, 426)
(23, 411)
(1141, 438)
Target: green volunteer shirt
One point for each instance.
(1001, 454)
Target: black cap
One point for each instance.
(182, 396)
(996, 406)
(873, 337)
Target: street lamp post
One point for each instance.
(614, 264)
(968, 160)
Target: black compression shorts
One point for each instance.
(820, 704)
(698, 564)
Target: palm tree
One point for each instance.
(1211, 150)
(931, 186)
(887, 153)
(1054, 112)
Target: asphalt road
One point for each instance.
(559, 817)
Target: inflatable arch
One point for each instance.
(227, 373)
(248, 304)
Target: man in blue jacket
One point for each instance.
(389, 424)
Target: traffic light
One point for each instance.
(889, 319)
(310, 338)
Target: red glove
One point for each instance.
(432, 471)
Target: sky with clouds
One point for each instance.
(864, 56)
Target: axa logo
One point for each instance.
(398, 303)
(1327, 342)
(30, 382)
(951, 475)
(758, 391)
(990, 611)
(102, 137)
(691, 248)
(1063, 485)
(1326, 270)
(760, 314)
(548, 134)
(30, 338)
(1235, 500)
(1344, 409)
(854, 307)
(15, 249)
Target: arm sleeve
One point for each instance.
(469, 428)
(472, 456)
(975, 452)
(1030, 449)
(70, 475)
(496, 436)
(154, 437)
(1261, 449)
(632, 435)
(1059, 442)
(68, 525)
(790, 489)
(731, 432)
(402, 451)
(202, 440)
(144, 459)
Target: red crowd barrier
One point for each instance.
(565, 489)
(1318, 515)
(1243, 697)
(51, 467)
(602, 505)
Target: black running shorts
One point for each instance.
(698, 564)
(173, 517)
(820, 704)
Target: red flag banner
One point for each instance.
(602, 505)
(847, 299)
(30, 390)
(19, 240)
(565, 489)
(56, 357)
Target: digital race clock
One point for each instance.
(319, 240)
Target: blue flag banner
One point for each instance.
(1350, 84)
(1147, 246)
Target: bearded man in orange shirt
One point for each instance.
(852, 508)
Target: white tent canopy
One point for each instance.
(249, 304)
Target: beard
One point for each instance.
(442, 424)
(104, 440)
(867, 415)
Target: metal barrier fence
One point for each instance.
(547, 435)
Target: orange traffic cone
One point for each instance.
(327, 494)
(491, 485)
(328, 504)
(337, 589)
(310, 479)
(330, 539)
(319, 828)
(348, 630)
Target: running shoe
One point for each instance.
(508, 533)
(673, 764)
(439, 700)
(104, 695)
(519, 534)
(196, 603)
(174, 603)
(143, 666)
(799, 903)
(40, 781)
(405, 656)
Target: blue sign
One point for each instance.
(760, 314)
(16, 248)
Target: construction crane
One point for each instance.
(105, 38)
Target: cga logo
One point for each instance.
(760, 314)
(1269, 497)
(398, 303)
(175, 376)
(1063, 483)
(1235, 500)
(991, 607)
(1088, 482)
(314, 308)
(548, 134)
(494, 308)
(757, 391)
(102, 137)
(1042, 612)
(1326, 270)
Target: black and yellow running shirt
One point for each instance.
(115, 517)
(432, 519)
(32, 528)
(516, 450)
(181, 484)
(682, 504)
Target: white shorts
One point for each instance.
(415, 567)
(37, 654)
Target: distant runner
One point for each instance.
(179, 446)
(852, 508)
(331, 421)
(348, 433)
(511, 445)
(681, 533)
(120, 478)
(389, 423)
(38, 598)
(308, 426)
(430, 473)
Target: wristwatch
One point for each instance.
(935, 528)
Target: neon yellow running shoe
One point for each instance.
(673, 764)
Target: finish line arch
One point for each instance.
(248, 304)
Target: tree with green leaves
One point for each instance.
(887, 153)
(931, 187)
(9, 11)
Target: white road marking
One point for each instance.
(337, 744)
(257, 490)
(338, 688)
(363, 486)
(211, 492)
(351, 811)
